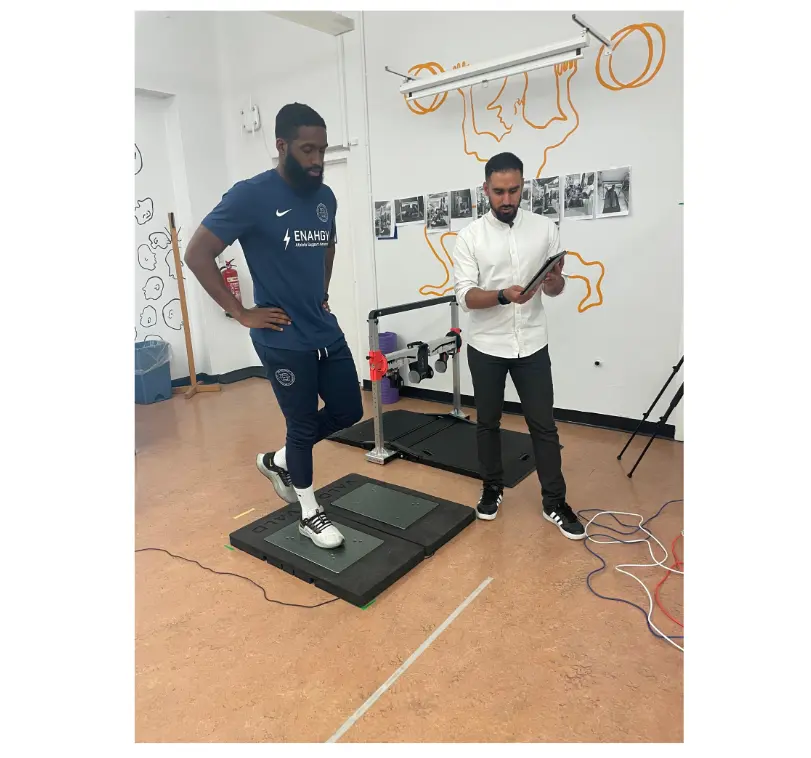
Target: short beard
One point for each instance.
(299, 178)
(505, 219)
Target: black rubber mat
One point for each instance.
(444, 442)
(357, 576)
(423, 519)
(387, 531)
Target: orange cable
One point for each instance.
(679, 564)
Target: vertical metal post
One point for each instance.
(457, 372)
(379, 454)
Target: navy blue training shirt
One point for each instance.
(284, 235)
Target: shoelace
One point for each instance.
(564, 513)
(318, 523)
(284, 474)
(490, 495)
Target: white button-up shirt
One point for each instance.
(492, 255)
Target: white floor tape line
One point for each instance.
(350, 722)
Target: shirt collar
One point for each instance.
(500, 225)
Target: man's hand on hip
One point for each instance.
(264, 318)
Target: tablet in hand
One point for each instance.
(545, 269)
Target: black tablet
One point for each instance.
(545, 269)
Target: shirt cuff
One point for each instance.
(461, 296)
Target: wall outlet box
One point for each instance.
(250, 119)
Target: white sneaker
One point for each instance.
(321, 531)
(278, 476)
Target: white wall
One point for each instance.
(222, 62)
(176, 54)
(270, 62)
(157, 307)
(635, 333)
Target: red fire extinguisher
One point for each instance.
(231, 279)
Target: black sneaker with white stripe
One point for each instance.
(564, 518)
(489, 502)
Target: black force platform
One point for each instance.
(442, 441)
(387, 531)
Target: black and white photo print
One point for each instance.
(546, 197)
(384, 228)
(438, 218)
(613, 192)
(461, 204)
(409, 210)
(526, 196)
(482, 202)
(578, 196)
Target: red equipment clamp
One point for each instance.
(458, 332)
(378, 365)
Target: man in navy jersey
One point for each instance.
(284, 220)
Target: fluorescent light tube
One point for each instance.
(496, 69)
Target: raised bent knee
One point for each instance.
(347, 417)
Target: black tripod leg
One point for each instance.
(652, 406)
(673, 403)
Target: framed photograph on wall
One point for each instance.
(409, 210)
(482, 202)
(461, 204)
(614, 192)
(384, 228)
(438, 214)
(526, 196)
(546, 197)
(578, 196)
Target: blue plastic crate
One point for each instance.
(153, 378)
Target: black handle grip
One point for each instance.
(410, 306)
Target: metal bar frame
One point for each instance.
(380, 453)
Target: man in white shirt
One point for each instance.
(494, 258)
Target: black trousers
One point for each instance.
(532, 376)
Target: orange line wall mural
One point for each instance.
(554, 133)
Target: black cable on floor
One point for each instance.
(239, 576)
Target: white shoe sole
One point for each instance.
(486, 516)
(304, 532)
(562, 531)
(490, 516)
(288, 494)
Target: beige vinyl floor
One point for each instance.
(535, 657)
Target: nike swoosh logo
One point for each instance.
(283, 213)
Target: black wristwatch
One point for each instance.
(503, 300)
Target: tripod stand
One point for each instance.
(673, 403)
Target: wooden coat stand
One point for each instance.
(195, 386)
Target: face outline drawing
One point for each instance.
(147, 259)
(144, 211)
(153, 289)
(149, 317)
(139, 161)
(159, 240)
(170, 263)
(172, 315)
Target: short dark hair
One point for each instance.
(503, 162)
(294, 115)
